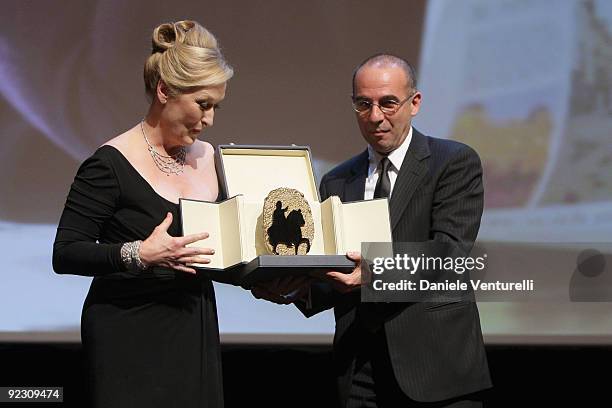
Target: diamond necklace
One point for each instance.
(173, 164)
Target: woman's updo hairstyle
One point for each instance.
(185, 55)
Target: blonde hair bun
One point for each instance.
(184, 55)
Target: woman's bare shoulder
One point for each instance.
(203, 147)
(202, 152)
(124, 141)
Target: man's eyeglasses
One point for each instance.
(388, 106)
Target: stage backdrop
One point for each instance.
(527, 84)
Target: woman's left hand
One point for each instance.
(162, 249)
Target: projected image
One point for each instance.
(586, 140)
(513, 150)
(529, 87)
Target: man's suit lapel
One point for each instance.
(354, 187)
(411, 174)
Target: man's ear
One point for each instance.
(162, 92)
(415, 104)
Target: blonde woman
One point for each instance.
(149, 324)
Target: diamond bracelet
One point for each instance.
(130, 256)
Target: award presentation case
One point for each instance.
(247, 174)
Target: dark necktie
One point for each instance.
(370, 315)
(383, 185)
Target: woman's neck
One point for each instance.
(158, 137)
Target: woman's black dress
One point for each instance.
(151, 338)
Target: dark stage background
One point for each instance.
(302, 376)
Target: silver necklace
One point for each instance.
(173, 164)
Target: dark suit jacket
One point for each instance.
(436, 349)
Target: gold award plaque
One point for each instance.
(287, 222)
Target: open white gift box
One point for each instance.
(248, 174)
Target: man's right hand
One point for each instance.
(283, 291)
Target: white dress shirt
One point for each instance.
(396, 158)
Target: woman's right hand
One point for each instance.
(161, 249)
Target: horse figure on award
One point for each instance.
(287, 230)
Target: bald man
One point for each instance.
(403, 354)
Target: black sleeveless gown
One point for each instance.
(151, 338)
